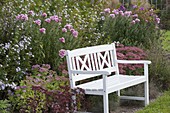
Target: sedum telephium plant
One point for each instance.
(50, 37)
(130, 53)
(43, 91)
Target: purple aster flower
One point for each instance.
(121, 13)
(72, 30)
(31, 13)
(122, 8)
(135, 15)
(62, 40)
(137, 20)
(53, 17)
(133, 22)
(107, 10)
(157, 20)
(62, 53)
(112, 15)
(141, 8)
(68, 26)
(23, 17)
(64, 30)
(44, 15)
(115, 11)
(42, 30)
(48, 20)
(128, 13)
(134, 6)
(75, 34)
(56, 20)
(38, 22)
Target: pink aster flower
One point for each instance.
(137, 20)
(31, 13)
(68, 26)
(62, 53)
(135, 15)
(38, 22)
(23, 17)
(42, 30)
(75, 34)
(121, 13)
(112, 15)
(107, 10)
(64, 30)
(157, 20)
(44, 15)
(133, 22)
(62, 40)
(128, 13)
(53, 17)
(48, 20)
(72, 30)
(115, 11)
(56, 20)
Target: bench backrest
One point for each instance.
(93, 58)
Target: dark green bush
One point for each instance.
(160, 66)
(165, 19)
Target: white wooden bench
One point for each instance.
(100, 60)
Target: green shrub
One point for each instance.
(166, 41)
(165, 19)
(4, 105)
(159, 68)
(160, 105)
(136, 27)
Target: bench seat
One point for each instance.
(114, 83)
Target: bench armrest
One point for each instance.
(90, 72)
(134, 61)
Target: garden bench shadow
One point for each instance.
(90, 62)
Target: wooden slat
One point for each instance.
(89, 62)
(92, 61)
(98, 57)
(88, 50)
(77, 63)
(96, 61)
(73, 62)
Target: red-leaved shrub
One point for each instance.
(130, 53)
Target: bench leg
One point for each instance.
(146, 88)
(105, 103)
(118, 93)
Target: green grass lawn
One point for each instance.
(166, 41)
(161, 105)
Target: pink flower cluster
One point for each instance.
(62, 53)
(130, 53)
(38, 22)
(31, 13)
(23, 17)
(42, 30)
(70, 27)
(62, 40)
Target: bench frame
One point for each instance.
(84, 63)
